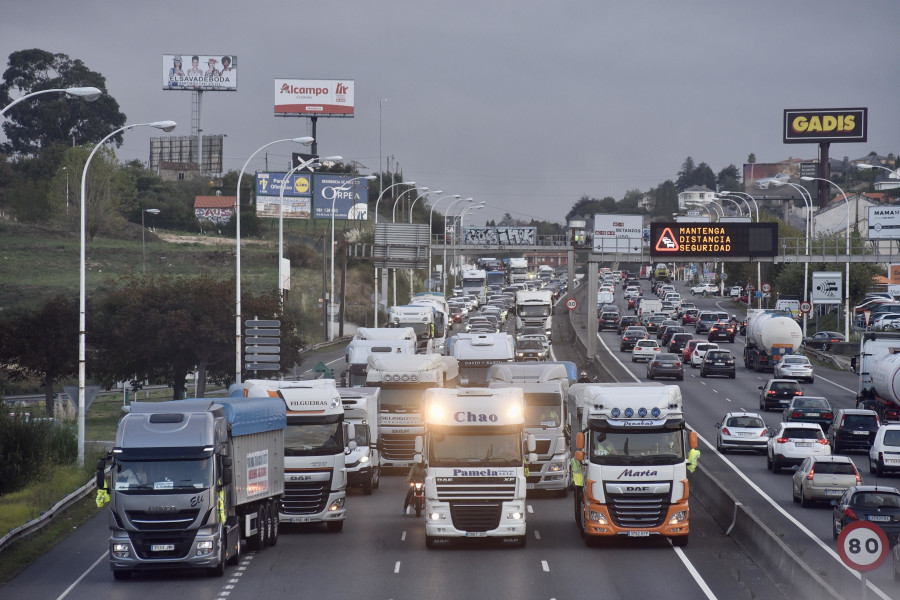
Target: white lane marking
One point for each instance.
(545, 566)
(83, 575)
(537, 534)
(697, 577)
(403, 537)
(836, 384)
(766, 497)
(530, 509)
(397, 567)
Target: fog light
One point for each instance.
(598, 517)
(679, 517)
(436, 516)
(514, 516)
(121, 550)
(205, 545)
(337, 505)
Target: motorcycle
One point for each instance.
(418, 499)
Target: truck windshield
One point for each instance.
(474, 375)
(401, 400)
(543, 410)
(636, 447)
(473, 284)
(533, 310)
(163, 476)
(313, 439)
(497, 450)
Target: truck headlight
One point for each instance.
(679, 517)
(121, 550)
(363, 459)
(598, 517)
(435, 516)
(204, 547)
(557, 467)
(336, 505)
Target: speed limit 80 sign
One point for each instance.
(863, 546)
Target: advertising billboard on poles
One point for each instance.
(825, 125)
(350, 200)
(204, 72)
(314, 97)
(884, 222)
(297, 195)
(623, 234)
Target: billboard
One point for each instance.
(618, 233)
(825, 125)
(270, 184)
(314, 97)
(884, 222)
(500, 236)
(183, 149)
(206, 72)
(294, 207)
(673, 241)
(767, 180)
(350, 200)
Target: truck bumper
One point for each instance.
(599, 523)
(439, 522)
(541, 475)
(334, 511)
(359, 475)
(181, 549)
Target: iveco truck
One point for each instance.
(363, 462)
(190, 479)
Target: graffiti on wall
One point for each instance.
(500, 236)
(216, 216)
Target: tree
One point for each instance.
(685, 175)
(37, 124)
(665, 199)
(42, 344)
(729, 178)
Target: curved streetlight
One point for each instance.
(284, 183)
(847, 274)
(88, 93)
(736, 203)
(152, 211)
(377, 202)
(82, 293)
(808, 202)
(758, 264)
(430, 221)
(894, 173)
(411, 206)
(462, 216)
(344, 187)
(400, 195)
(446, 215)
(306, 141)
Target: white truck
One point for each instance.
(363, 462)
(475, 468)
(315, 441)
(545, 388)
(474, 282)
(418, 317)
(402, 381)
(517, 270)
(770, 337)
(476, 352)
(358, 351)
(631, 446)
(442, 322)
(535, 308)
(878, 368)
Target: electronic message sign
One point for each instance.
(673, 241)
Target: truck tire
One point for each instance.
(376, 478)
(265, 523)
(367, 485)
(276, 523)
(335, 526)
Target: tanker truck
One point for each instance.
(878, 368)
(771, 335)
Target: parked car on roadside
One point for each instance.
(704, 289)
(823, 339)
(823, 478)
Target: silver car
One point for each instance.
(742, 431)
(823, 478)
(794, 367)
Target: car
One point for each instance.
(688, 349)
(678, 342)
(632, 302)
(744, 299)
(794, 366)
(809, 409)
(717, 362)
(778, 393)
(877, 504)
(823, 478)
(665, 364)
(699, 352)
(742, 431)
(884, 455)
(790, 443)
(529, 330)
(661, 330)
(631, 337)
(823, 339)
(456, 314)
(628, 321)
(671, 330)
(653, 322)
(853, 429)
(705, 320)
(689, 316)
(774, 181)
(735, 291)
(721, 331)
(645, 349)
(705, 288)
(532, 348)
(608, 320)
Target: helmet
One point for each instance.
(583, 373)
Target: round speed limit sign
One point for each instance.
(766, 287)
(805, 307)
(863, 546)
(571, 303)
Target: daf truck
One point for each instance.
(474, 282)
(476, 352)
(631, 447)
(474, 465)
(402, 381)
(363, 462)
(190, 479)
(545, 388)
(517, 270)
(358, 351)
(535, 309)
(421, 318)
(315, 441)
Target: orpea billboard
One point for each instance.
(623, 234)
(349, 195)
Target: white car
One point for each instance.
(704, 288)
(794, 367)
(742, 431)
(644, 350)
(790, 443)
(700, 351)
(736, 291)
(884, 455)
(776, 181)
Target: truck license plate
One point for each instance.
(300, 520)
(476, 534)
(529, 486)
(638, 534)
(162, 547)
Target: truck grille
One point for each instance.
(450, 489)
(305, 498)
(638, 510)
(398, 446)
(162, 521)
(143, 542)
(475, 516)
(542, 446)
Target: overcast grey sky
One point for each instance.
(527, 105)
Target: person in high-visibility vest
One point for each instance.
(577, 476)
(693, 457)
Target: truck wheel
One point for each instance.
(265, 523)
(219, 569)
(274, 523)
(376, 478)
(121, 574)
(367, 486)
(680, 541)
(236, 557)
(335, 526)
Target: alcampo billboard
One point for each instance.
(674, 241)
(825, 125)
(314, 97)
(204, 72)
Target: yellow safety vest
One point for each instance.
(577, 476)
(693, 457)
(102, 497)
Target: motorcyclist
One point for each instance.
(583, 377)
(416, 475)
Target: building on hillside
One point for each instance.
(695, 195)
(178, 171)
(214, 211)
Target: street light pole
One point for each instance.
(377, 202)
(808, 203)
(410, 271)
(847, 274)
(237, 210)
(446, 215)
(758, 264)
(430, 221)
(400, 195)
(88, 93)
(82, 284)
(152, 211)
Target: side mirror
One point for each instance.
(352, 445)
(418, 459)
(853, 364)
(579, 442)
(101, 478)
(718, 425)
(531, 445)
(226, 470)
(351, 434)
(579, 455)
(760, 387)
(420, 444)
(692, 439)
